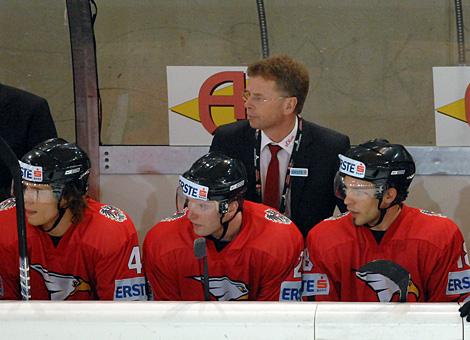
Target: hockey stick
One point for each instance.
(8, 157)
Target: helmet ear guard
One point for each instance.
(223, 207)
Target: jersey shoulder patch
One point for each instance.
(174, 217)
(276, 216)
(113, 213)
(337, 217)
(8, 204)
(431, 213)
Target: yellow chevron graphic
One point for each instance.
(220, 114)
(454, 110)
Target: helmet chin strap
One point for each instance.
(226, 223)
(382, 211)
(57, 221)
(59, 218)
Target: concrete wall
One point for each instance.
(370, 60)
(370, 64)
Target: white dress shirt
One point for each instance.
(287, 145)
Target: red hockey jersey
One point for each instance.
(97, 259)
(422, 257)
(261, 263)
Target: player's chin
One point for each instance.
(200, 230)
(358, 221)
(31, 215)
(37, 222)
(253, 121)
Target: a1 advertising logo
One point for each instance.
(201, 98)
(452, 105)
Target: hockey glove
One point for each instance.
(465, 310)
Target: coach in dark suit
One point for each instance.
(307, 154)
(25, 120)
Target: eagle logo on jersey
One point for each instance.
(224, 289)
(61, 287)
(113, 213)
(276, 216)
(175, 216)
(388, 279)
(7, 204)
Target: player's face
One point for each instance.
(40, 204)
(205, 217)
(265, 104)
(361, 201)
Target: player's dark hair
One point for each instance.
(75, 201)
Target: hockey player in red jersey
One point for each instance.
(79, 249)
(382, 249)
(219, 247)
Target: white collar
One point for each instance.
(287, 143)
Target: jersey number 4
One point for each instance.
(134, 260)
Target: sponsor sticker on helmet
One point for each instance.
(237, 185)
(351, 167)
(72, 171)
(193, 190)
(30, 172)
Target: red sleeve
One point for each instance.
(118, 269)
(160, 269)
(9, 258)
(281, 274)
(9, 275)
(449, 278)
(318, 281)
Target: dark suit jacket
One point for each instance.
(312, 197)
(25, 121)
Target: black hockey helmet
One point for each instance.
(58, 163)
(215, 177)
(385, 164)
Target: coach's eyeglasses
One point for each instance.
(257, 99)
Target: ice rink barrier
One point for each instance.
(230, 320)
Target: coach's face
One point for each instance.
(266, 106)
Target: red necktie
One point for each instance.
(271, 187)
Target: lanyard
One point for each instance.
(287, 181)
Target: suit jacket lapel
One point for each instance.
(5, 114)
(302, 159)
(248, 160)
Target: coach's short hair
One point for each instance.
(290, 76)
